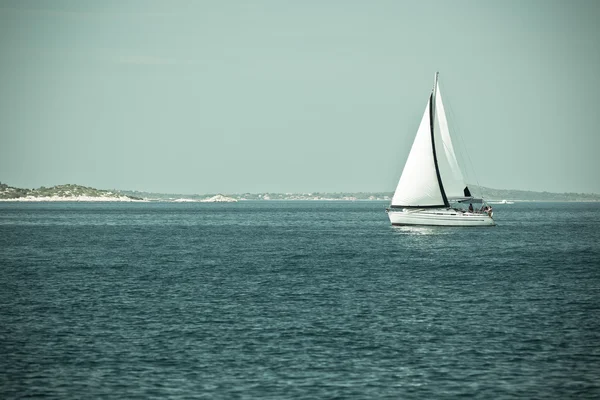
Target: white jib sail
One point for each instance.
(418, 185)
(450, 172)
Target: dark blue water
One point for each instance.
(296, 300)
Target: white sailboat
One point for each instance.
(432, 190)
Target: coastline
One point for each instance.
(73, 199)
(124, 199)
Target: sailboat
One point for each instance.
(432, 190)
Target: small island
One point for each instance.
(219, 198)
(67, 192)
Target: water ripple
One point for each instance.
(295, 300)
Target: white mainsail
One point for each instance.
(452, 178)
(418, 185)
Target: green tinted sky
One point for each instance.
(290, 96)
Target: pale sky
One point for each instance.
(294, 96)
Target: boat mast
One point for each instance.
(431, 124)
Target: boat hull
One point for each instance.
(439, 217)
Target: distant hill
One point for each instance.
(525, 195)
(83, 193)
(62, 192)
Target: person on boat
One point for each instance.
(470, 207)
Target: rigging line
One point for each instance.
(457, 131)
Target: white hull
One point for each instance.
(439, 217)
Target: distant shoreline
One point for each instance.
(78, 193)
(86, 199)
(124, 199)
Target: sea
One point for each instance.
(296, 300)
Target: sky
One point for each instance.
(295, 96)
